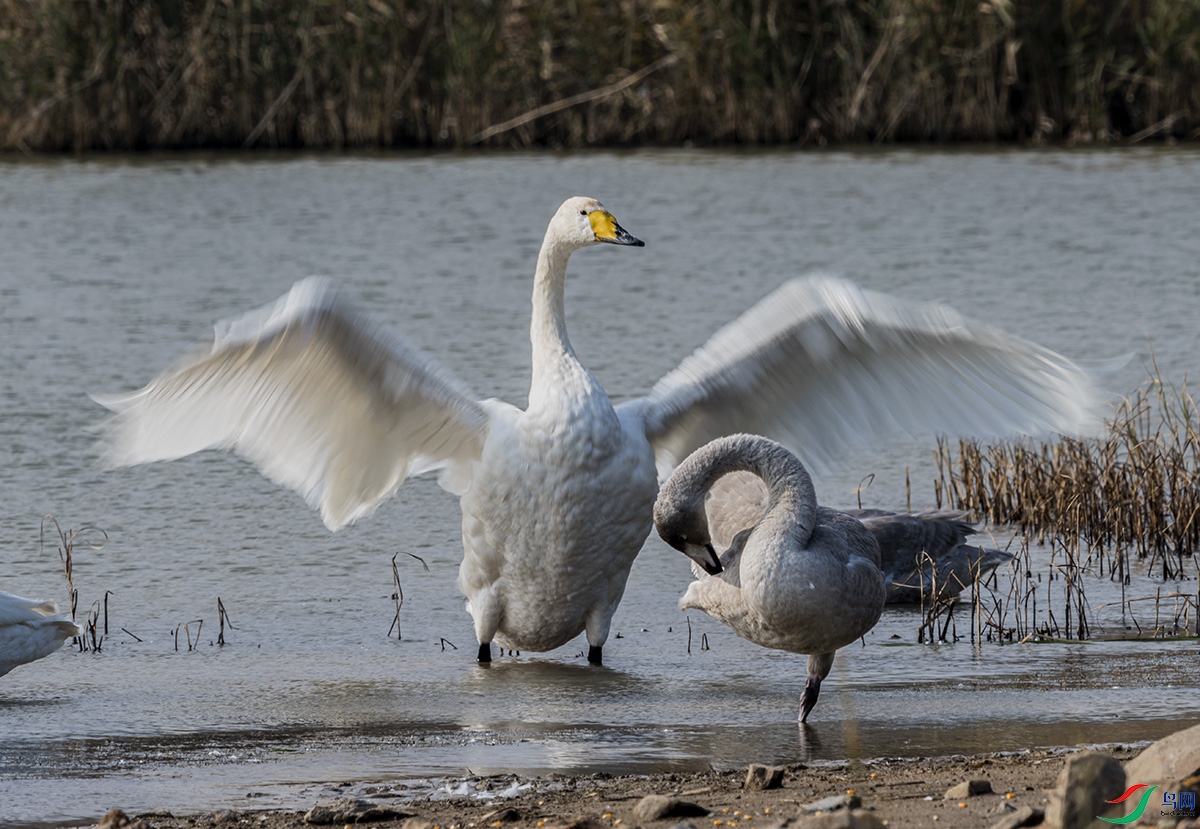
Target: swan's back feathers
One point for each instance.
(15, 610)
(823, 366)
(929, 532)
(321, 397)
(30, 629)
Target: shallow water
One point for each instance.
(110, 269)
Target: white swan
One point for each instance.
(924, 556)
(801, 578)
(557, 499)
(30, 629)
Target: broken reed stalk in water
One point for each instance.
(66, 554)
(398, 592)
(199, 623)
(222, 620)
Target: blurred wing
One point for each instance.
(823, 366)
(323, 399)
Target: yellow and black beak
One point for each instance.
(605, 226)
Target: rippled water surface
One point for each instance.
(110, 269)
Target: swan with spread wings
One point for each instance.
(557, 498)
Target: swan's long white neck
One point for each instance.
(548, 326)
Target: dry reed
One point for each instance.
(1130, 493)
(1133, 490)
(142, 74)
(93, 538)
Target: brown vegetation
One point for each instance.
(137, 74)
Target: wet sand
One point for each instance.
(898, 793)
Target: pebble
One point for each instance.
(830, 804)
(968, 788)
(352, 810)
(657, 807)
(762, 777)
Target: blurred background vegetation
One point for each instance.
(81, 75)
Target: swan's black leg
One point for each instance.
(594, 655)
(808, 699)
(485, 651)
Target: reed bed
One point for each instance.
(1098, 505)
(1025, 602)
(1133, 490)
(80, 75)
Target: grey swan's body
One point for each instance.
(924, 556)
(29, 630)
(557, 498)
(802, 578)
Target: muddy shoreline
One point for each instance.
(897, 792)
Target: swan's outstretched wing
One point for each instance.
(322, 398)
(822, 366)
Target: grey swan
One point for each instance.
(924, 556)
(802, 578)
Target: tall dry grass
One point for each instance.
(1134, 489)
(137, 74)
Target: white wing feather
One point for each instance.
(321, 398)
(823, 366)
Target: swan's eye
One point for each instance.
(582, 212)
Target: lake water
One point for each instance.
(109, 269)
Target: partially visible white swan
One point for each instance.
(801, 578)
(924, 556)
(556, 499)
(30, 629)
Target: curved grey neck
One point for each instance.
(791, 495)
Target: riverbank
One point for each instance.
(1017, 790)
(142, 75)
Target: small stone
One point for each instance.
(117, 819)
(1087, 781)
(352, 810)
(969, 788)
(842, 819)
(657, 807)
(830, 804)
(761, 777)
(417, 823)
(1025, 816)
